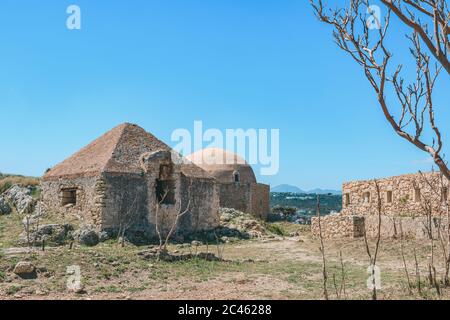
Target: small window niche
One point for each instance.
(165, 191)
(68, 196)
(366, 197)
(417, 195)
(236, 176)
(389, 196)
(444, 194)
(347, 199)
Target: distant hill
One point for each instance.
(286, 188)
(325, 191)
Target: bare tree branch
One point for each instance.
(369, 51)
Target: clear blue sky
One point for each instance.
(164, 63)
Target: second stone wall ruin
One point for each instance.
(404, 195)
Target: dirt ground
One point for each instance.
(278, 268)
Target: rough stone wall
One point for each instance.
(338, 226)
(260, 199)
(236, 196)
(251, 198)
(203, 211)
(125, 201)
(200, 194)
(89, 198)
(360, 197)
(341, 226)
(408, 227)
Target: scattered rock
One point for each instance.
(25, 270)
(41, 292)
(103, 236)
(74, 286)
(87, 236)
(236, 224)
(49, 233)
(4, 207)
(21, 198)
(156, 254)
(77, 288)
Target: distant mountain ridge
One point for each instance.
(287, 188)
(294, 189)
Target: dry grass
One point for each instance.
(6, 181)
(281, 268)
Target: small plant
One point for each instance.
(404, 200)
(276, 229)
(13, 290)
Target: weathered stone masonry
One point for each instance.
(238, 188)
(413, 205)
(401, 196)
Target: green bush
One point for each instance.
(276, 229)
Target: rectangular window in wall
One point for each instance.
(389, 197)
(68, 196)
(444, 194)
(417, 195)
(366, 197)
(347, 199)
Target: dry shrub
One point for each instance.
(6, 181)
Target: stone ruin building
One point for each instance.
(128, 177)
(413, 205)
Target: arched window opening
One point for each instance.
(237, 176)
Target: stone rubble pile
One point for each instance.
(20, 197)
(234, 223)
(50, 233)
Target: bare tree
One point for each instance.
(322, 250)
(220, 246)
(402, 250)
(160, 221)
(127, 216)
(31, 224)
(418, 280)
(373, 257)
(437, 200)
(343, 276)
(353, 35)
(432, 25)
(341, 289)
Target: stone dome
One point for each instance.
(223, 165)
